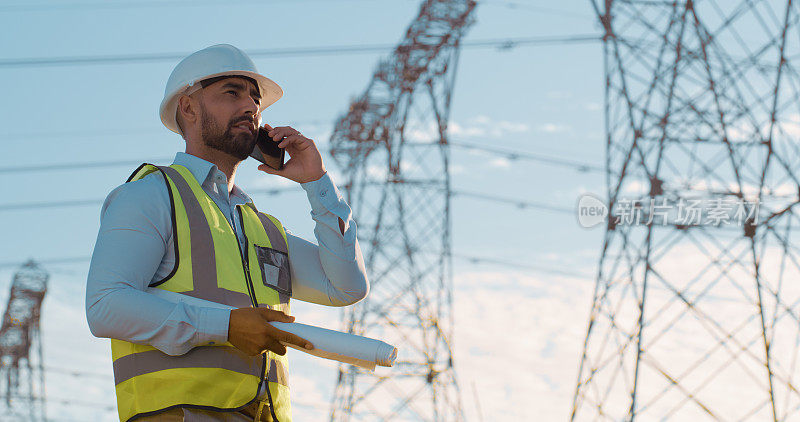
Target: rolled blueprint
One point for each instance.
(329, 344)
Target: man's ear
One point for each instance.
(188, 112)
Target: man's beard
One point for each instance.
(239, 145)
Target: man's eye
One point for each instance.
(231, 92)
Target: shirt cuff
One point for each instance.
(213, 326)
(324, 196)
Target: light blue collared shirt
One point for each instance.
(134, 248)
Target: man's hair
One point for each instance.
(204, 83)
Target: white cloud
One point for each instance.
(591, 106)
(518, 341)
(553, 128)
(427, 133)
(682, 341)
(518, 337)
(500, 162)
(786, 129)
(456, 129)
(511, 127)
(479, 126)
(483, 126)
(635, 187)
(482, 119)
(408, 166)
(377, 172)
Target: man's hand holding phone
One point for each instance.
(305, 162)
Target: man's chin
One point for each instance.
(236, 148)
(241, 146)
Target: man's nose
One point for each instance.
(251, 107)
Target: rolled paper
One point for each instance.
(329, 344)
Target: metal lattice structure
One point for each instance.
(392, 146)
(21, 358)
(698, 321)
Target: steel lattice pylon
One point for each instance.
(698, 321)
(21, 358)
(392, 146)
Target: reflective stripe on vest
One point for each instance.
(210, 265)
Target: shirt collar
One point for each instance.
(202, 170)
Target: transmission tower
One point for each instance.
(698, 319)
(392, 146)
(21, 358)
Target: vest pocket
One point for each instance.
(275, 273)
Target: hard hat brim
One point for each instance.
(270, 93)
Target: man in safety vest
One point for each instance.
(188, 229)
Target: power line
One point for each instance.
(504, 263)
(74, 166)
(94, 5)
(69, 402)
(277, 191)
(56, 261)
(50, 204)
(78, 373)
(511, 154)
(519, 5)
(518, 203)
(85, 202)
(471, 258)
(508, 153)
(502, 44)
(26, 7)
(105, 407)
(138, 4)
(518, 155)
(128, 131)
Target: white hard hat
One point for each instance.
(217, 60)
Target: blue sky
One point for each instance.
(536, 99)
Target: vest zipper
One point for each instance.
(251, 289)
(245, 258)
(242, 254)
(246, 261)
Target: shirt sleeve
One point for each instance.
(135, 230)
(332, 272)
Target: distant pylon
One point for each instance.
(392, 146)
(696, 310)
(21, 356)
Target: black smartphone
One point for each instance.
(267, 151)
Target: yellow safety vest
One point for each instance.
(210, 265)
